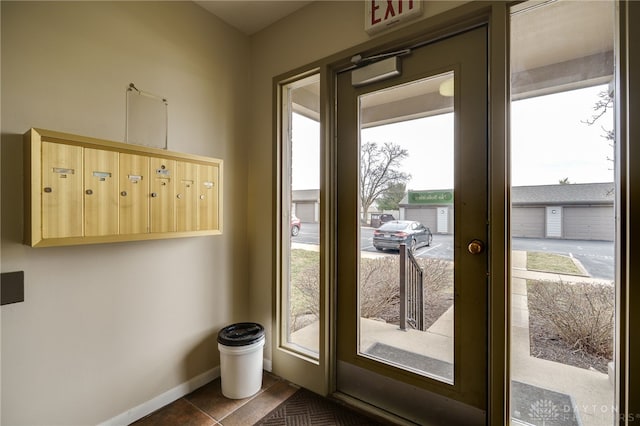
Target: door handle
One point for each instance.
(475, 247)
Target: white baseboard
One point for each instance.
(163, 399)
(169, 396)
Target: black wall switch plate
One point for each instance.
(11, 287)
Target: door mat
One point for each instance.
(538, 406)
(412, 360)
(305, 408)
(530, 405)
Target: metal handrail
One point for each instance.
(411, 291)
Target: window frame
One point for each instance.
(289, 362)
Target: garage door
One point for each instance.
(427, 216)
(589, 223)
(306, 212)
(527, 222)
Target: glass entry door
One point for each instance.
(412, 232)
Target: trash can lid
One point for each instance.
(241, 334)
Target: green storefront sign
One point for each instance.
(430, 197)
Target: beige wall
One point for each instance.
(107, 327)
(294, 41)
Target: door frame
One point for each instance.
(495, 15)
(308, 373)
(464, 54)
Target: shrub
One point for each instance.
(379, 292)
(305, 290)
(438, 288)
(581, 313)
(379, 288)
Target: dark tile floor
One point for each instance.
(207, 406)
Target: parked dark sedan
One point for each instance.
(392, 234)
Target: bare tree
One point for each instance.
(602, 105)
(600, 108)
(379, 171)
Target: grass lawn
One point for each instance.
(304, 292)
(301, 260)
(549, 262)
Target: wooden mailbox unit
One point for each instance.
(81, 190)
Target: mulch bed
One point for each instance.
(546, 344)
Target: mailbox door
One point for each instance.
(207, 197)
(61, 190)
(134, 194)
(100, 192)
(186, 206)
(162, 191)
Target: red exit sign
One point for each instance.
(381, 14)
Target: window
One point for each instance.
(562, 214)
(299, 311)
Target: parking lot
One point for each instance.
(597, 257)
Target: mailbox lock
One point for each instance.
(179, 196)
(123, 193)
(202, 197)
(89, 191)
(154, 194)
(48, 189)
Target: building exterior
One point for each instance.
(434, 208)
(306, 204)
(572, 211)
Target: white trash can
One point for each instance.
(240, 348)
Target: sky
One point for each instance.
(305, 153)
(429, 142)
(549, 142)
